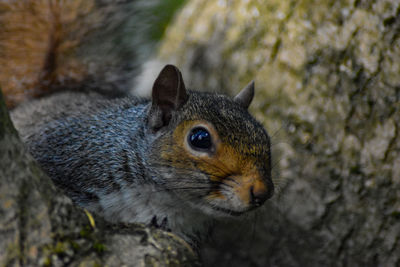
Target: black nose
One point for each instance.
(257, 198)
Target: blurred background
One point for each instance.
(327, 77)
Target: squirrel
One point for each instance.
(178, 160)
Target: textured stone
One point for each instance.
(327, 79)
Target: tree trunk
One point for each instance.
(327, 77)
(39, 226)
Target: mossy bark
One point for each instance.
(327, 79)
(39, 226)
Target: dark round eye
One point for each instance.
(200, 139)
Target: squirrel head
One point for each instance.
(208, 149)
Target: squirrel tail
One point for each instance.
(52, 45)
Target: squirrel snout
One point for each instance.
(254, 191)
(259, 195)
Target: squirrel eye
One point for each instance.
(200, 139)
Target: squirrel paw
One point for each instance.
(163, 225)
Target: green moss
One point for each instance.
(99, 247)
(59, 248)
(47, 261)
(86, 232)
(163, 12)
(75, 245)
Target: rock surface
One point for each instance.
(327, 79)
(40, 227)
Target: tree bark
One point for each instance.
(39, 226)
(327, 77)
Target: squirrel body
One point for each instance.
(112, 157)
(178, 160)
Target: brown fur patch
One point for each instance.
(38, 39)
(226, 165)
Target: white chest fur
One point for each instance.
(149, 205)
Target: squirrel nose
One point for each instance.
(259, 195)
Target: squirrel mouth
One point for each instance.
(230, 212)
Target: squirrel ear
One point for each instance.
(245, 96)
(169, 94)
